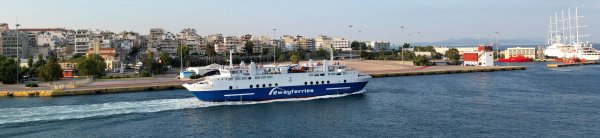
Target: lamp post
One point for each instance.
(402, 45)
(274, 47)
(18, 58)
(359, 46)
(497, 49)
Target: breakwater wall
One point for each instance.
(447, 71)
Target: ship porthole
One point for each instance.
(270, 85)
(263, 85)
(317, 82)
(230, 87)
(250, 86)
(327, 82)
(257, 86)
(311, 83)
(276, 85)
(322, 82)
(305, 83)
(344, 81)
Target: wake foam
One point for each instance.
(45, 113)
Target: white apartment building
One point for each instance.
(528, 52)
(378, 45)
(323, 42)
(341, 44)
(83, 39)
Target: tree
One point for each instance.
(185, 55)
(30, 61)
(295, 58)
(265, 51)
(421, 61)
(210, 50)
(355, 45)
(320, 54)
(134, 50)
(151, 65)
(8, 70)
(406, 45)
(51, 71)
(92, 65)
(165, 59)
(453, 55)
(249, 48)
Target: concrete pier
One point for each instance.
(571, 64)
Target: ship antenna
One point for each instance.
(570, 27)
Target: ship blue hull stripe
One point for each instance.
(259, 94)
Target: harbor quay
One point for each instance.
(375, 68)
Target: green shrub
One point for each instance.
(31, 85)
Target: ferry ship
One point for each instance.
(257, 83)
(562, 44)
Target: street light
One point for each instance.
(18, 58)
(359, 46)
(274, 48)
(497, 50)
(402, 45)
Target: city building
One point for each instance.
(155, 37)
(47, 37)
(83, 37)
(341, 44)
(108, 54)
(528, 52)
(194, 41)
(378, 45)
(168, 44)
(484, 56)
(3, 28)
(11, 47)
(323, 42)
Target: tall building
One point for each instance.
(168, 44)
(378, 45)
(3, 28)
(83, 38)
(323, 42)
(156, 35)
(194, 41)
(341, 44)
(15, 43)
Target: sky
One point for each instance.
(424, 20)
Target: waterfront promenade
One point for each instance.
(170, 81)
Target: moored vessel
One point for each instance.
(257, 82)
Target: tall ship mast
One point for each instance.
(564, 38)
(256, 82)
